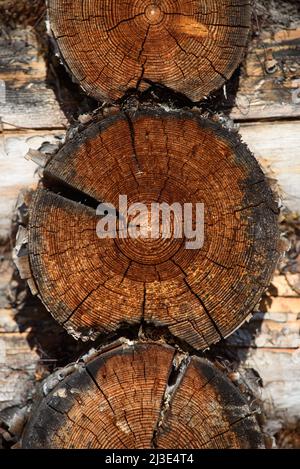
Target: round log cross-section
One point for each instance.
(95, 282)
(111, 46)
(140, 396)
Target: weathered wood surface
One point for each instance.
(276, 145)
(270, 81)
(32, 103)
(190, 47)
(201, 293)
(281, 398)
(261, 95)
(27, 101)
(142, 395)
(16, 172)
(270, 345)
(31, 345)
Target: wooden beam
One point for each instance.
(276, 146)
(16, 172)
(26, 99)
(270, 81)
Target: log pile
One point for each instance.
(150, 394)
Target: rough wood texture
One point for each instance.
(13, 12)
(31, 102)
(143, 396)
(276, 146)
(269, 141)
(26, 101)
(270, 346)
(17, 360)
(94, 286)
(32, 345)
(270, 84)
(192, 47)
(17, 173)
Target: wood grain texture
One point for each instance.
(94, 286)
(110, 46)
(270, 80)
(279, 370)
(143, 396)
(276, 146)
(18, 361)
(275, 353)
(17, 370)
(17, 173)
(270, 345)
(26, 99)
(15, 12)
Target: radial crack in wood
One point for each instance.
(117, 399)
(94, 286)
(111, 46)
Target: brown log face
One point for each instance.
(95, 286)
(111, 46)
(118, 400)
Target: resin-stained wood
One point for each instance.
(96, 286)
(110, 46)
(143, 396)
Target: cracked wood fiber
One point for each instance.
(143, 396)
(94, 286)
(112, 46)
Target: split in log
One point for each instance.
(96, 286)
(192, 47)
(143, 396)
